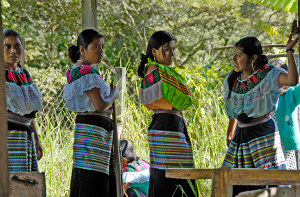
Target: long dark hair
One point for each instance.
(10, 32)
(157, 40)
(128, 151)
(84, 39)
(250, 46)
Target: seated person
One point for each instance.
(135, 172)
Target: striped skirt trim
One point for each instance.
(138, 193)
(169, 149)
(21, 151)
(17, 119)
(92, 148)
(259, 151)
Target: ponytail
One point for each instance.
(143, 62)
(74, 53)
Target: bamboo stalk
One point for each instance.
(265, 46)
(117, 152)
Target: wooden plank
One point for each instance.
(249, 176)
(270, 56)
(89, 14)
(216, 190)
(239, 176)
(264, 46)
(121, 85)
(4, 191)
(190, 173)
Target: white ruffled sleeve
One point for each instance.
(23, 99)
(75, 92)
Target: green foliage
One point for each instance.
(48, 28)
(285, 5)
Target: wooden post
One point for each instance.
(121, 85)
(89, 14)
(22, 59)
(117, 153)
(4, 184)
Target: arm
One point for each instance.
(37, 144)
(291, 78)
(99, 102)
(230, 130)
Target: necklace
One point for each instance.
(83, 62)
(240, 79)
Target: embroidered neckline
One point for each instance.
(18, 77)
(79, 71)
(245, 85)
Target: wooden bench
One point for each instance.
(224, 178)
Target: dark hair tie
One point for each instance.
(144, 57)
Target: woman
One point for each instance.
(23, 100)
(252, 90)
(165, 92)
(87, 94)
(287, 119)
(135, 172)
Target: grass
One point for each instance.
(206, 122)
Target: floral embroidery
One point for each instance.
(78, 72)
(138, 168)
(254, 78)
(244, 86)
(85, 69)
(151, 78)
(11, 77)
(20, 77)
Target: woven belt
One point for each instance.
(164, 111)
(17, 119)
(255, 121)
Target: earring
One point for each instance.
(252, 66)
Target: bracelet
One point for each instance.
(290, 50)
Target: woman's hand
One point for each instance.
(38, 147)
(99, 102)
(291, 78)
(37, 143)
(125, 187)
(230, 130)
(114, 92)
(291, 43)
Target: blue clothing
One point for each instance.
(258, 101)
(287, 118)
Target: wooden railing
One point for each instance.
(225, 178)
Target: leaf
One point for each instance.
(283, 5)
